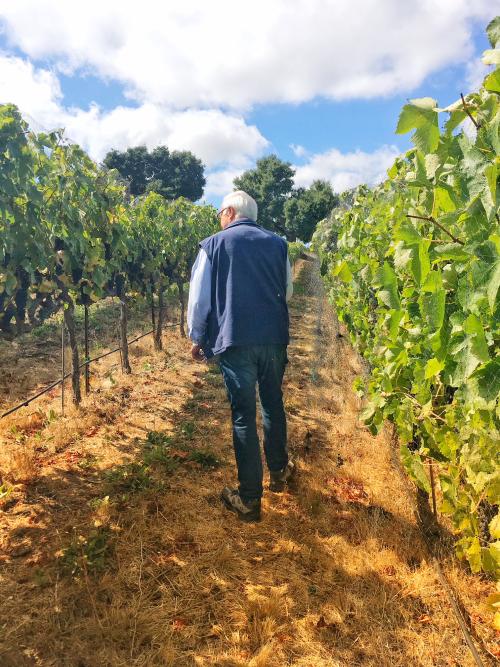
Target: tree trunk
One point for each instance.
(180, 287)
(159, 323)
(123, 326)
(69, 320)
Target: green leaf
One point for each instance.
(472, 352)
(492, 81)
(432, 301)
(443, 201)
(473, 553)
(488, 380)
(420, 115)
(408, 233)
(343, 272)
(389, 295)
(493, 31)
(420, 263)
(494, 527)
(493, 285)
(447, 251)
(433, 367)
(415, 467)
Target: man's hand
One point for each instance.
(197, 353)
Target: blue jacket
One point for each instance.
(248, 288)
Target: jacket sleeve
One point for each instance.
(289, 279)
(199, 303)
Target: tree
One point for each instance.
(307, 207)
(132, 165)
(271, 185)
(173, 175)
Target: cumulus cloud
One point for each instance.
(475, 72)
(220, 182)
(346, 170)
(298, 150)
(214, 136)
(226, 54)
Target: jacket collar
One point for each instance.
(240, 221)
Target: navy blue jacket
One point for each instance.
(249, 266)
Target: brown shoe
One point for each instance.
(278, 479)
(246, 511)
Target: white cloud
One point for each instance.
(214, 136)
(220, 182)
(298, 150)
(346, 170)
(35, 91)
(222, 53)
(475, 72)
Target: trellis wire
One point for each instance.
(85, 364)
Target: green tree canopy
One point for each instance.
(307, 207)
(293, 212)
(270, 184)
(171, 174)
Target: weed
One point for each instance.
(188, 428)
(40, 578)
(214, 379)
(87, 462)
(87, 554)
(157, 451)
(160, 456)
(205, 458)
(159, 438)
(131, 477)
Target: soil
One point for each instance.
(115, 549)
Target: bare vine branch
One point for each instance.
(438, 224)
(466, 109)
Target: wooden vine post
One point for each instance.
(69, 320)
(120, 284)
(63, 365)
(182, 301)
(87, 355)
(159, 323)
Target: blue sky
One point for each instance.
(320, 83)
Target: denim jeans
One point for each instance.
(242, 368)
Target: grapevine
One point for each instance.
(68, 235)
(413, 267)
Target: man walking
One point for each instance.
(237, 311)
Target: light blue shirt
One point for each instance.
(200, 295)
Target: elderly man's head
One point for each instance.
(237, 206)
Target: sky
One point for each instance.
(320, 83)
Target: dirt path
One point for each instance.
(116, 551)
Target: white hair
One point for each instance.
(244, 205)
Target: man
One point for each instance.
(237, 311)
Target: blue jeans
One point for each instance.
(242, 368)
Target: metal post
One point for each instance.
(87, 358)
(63, 368)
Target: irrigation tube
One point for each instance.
(85, 364)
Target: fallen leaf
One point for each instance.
(178, 624)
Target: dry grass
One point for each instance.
(106, 562)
